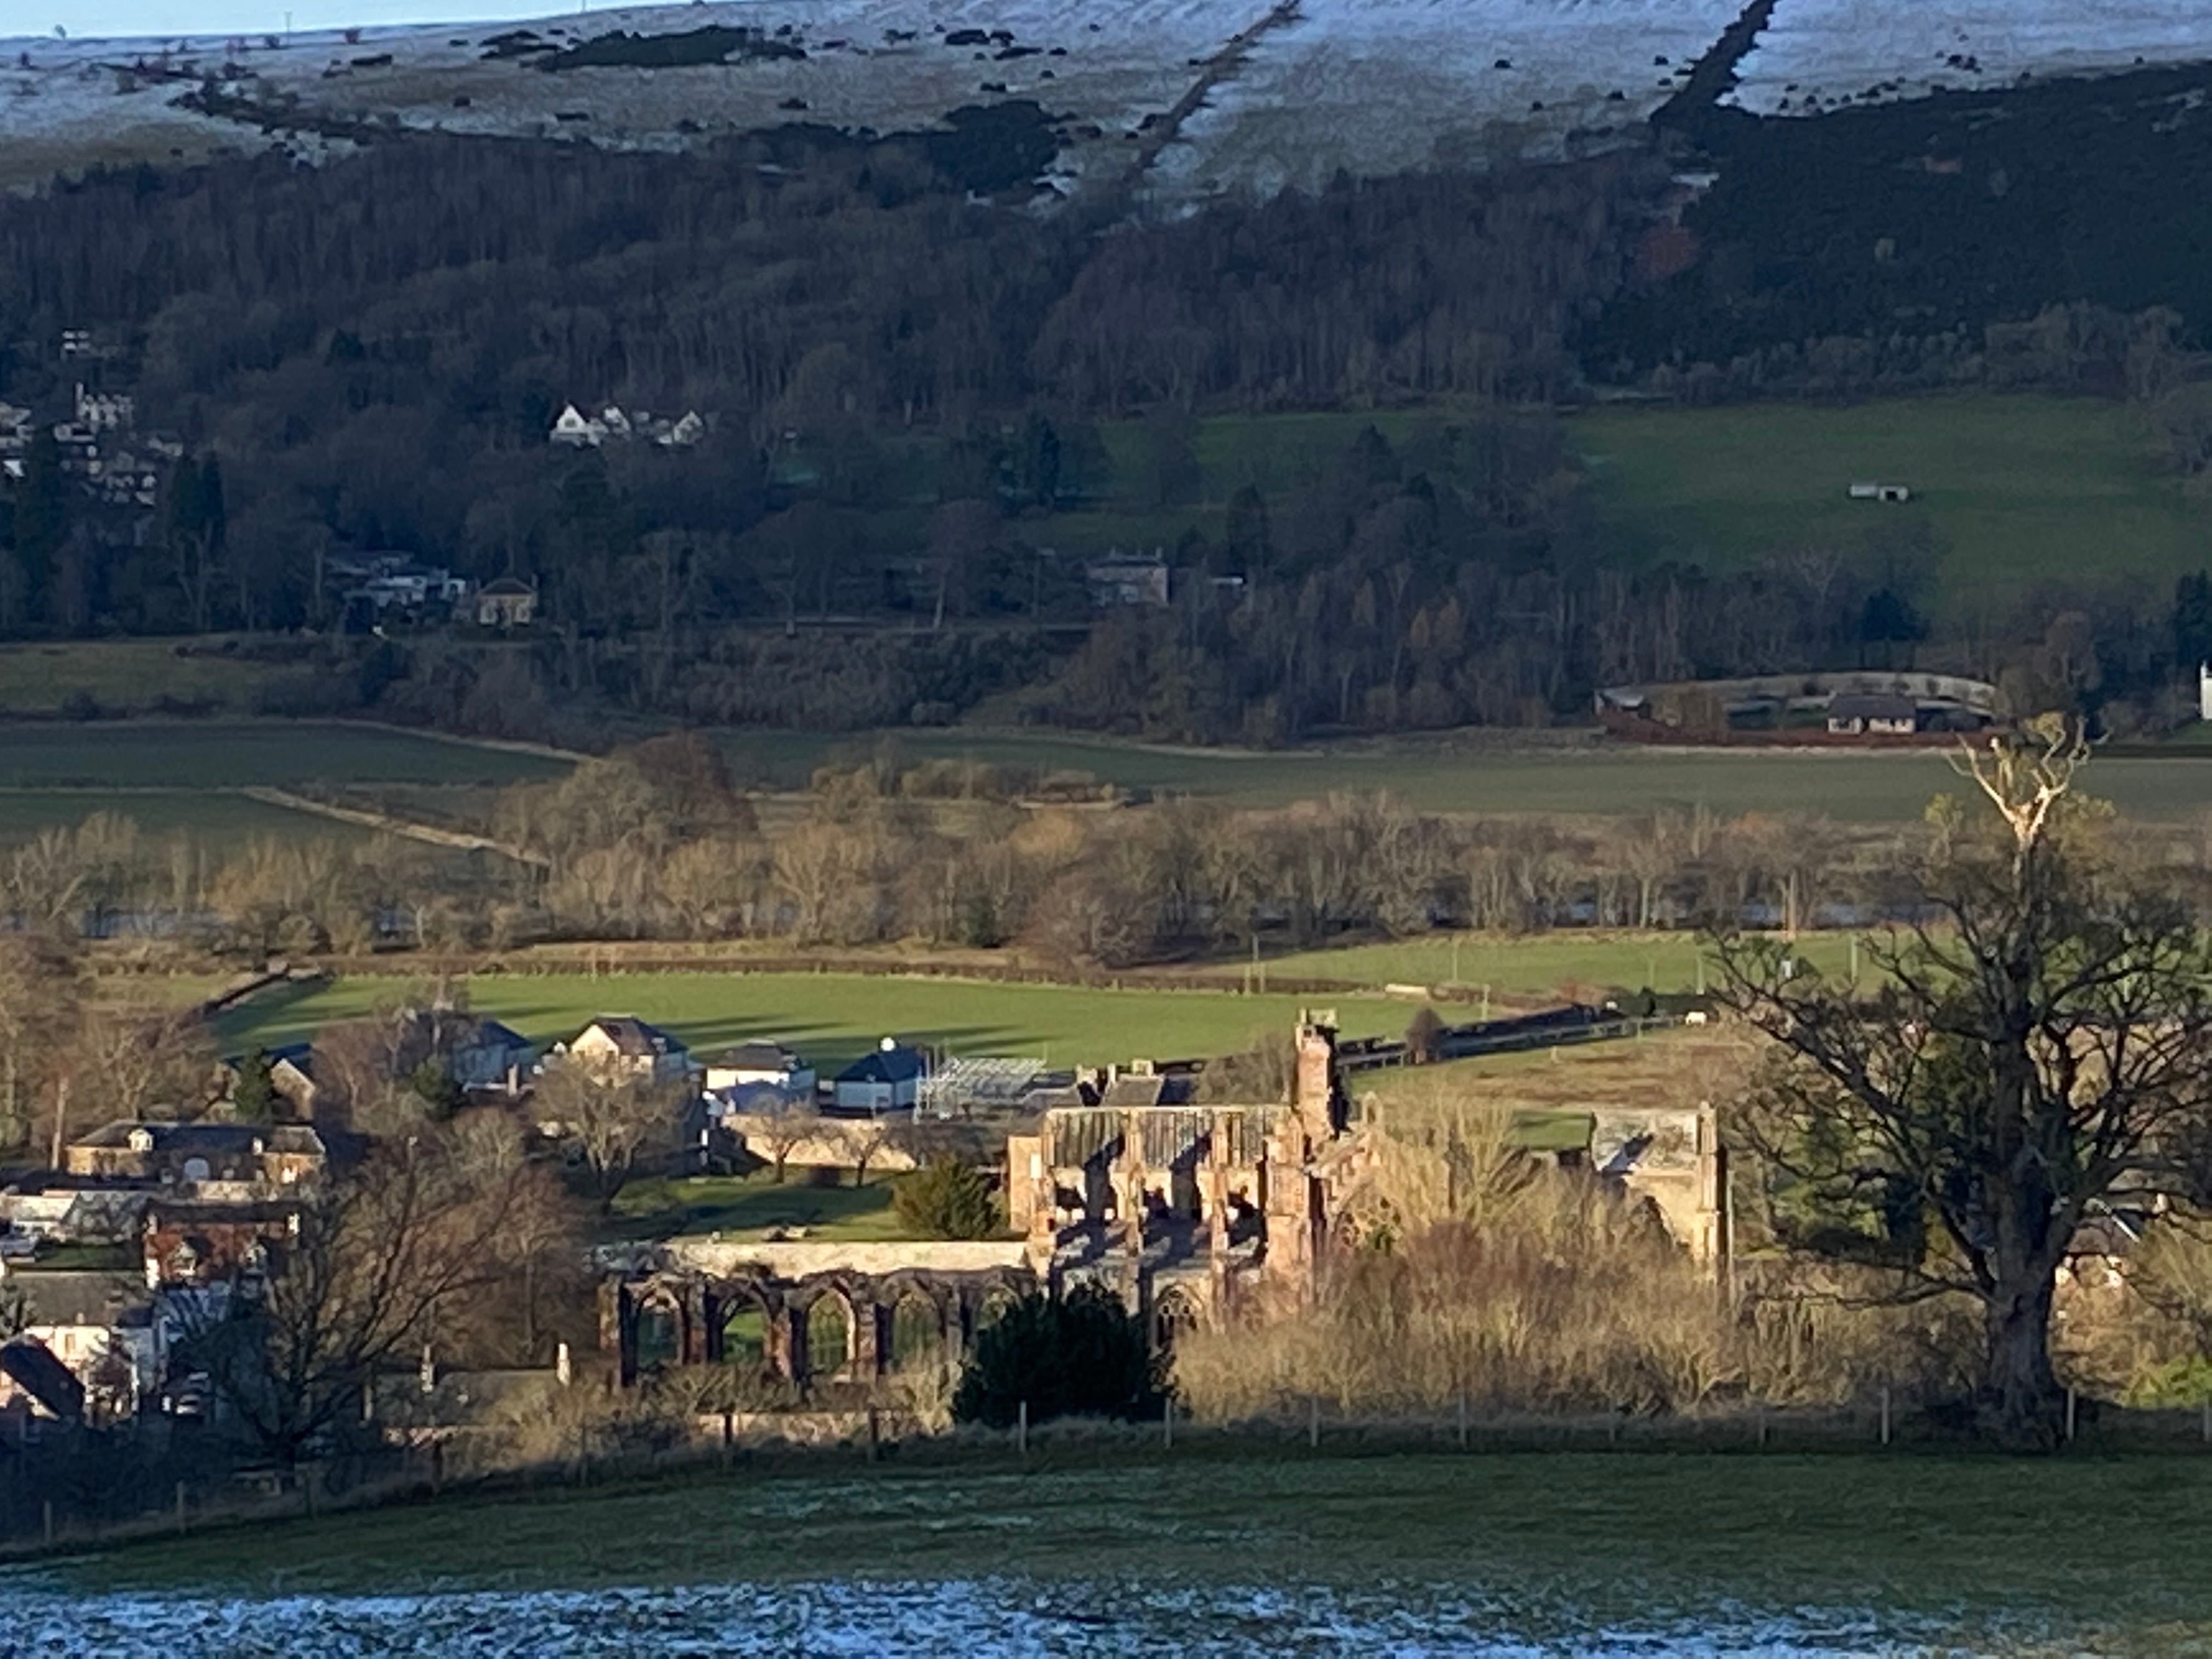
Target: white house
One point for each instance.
(621, 1048)
(1859, 713)
(760, 1064)
(887, 1080)
(573, 428)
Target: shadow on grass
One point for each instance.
(821, 1200)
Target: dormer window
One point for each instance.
(141, 1139)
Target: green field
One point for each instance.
(1525, 965)
(1629, 1551)
(216, 754)
(184, 775)
(834, 1019)
(1469, 775)
(126, 675)
(2014, 491)
(824, 1202)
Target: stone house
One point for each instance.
(621, 1048)
(492, 1057)
(506, 603)
(173, 1155)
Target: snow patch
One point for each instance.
(1831, 49)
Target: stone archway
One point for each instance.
(660, 1332)
(1175, 1314)
(744, 1331)
(917, 1333)
(829, 1334)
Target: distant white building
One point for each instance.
(574, 429)
(2204, 691)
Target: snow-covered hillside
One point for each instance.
(1836, 50)
(1370, 86)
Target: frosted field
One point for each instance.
(1370, 86)
(1389, 86)
(993, 1616)
(1835, 49)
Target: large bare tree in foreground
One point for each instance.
(381, 1256)
(2039, 1046)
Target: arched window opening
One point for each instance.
(917, 1333)
(744, 1335)
(829, 1336)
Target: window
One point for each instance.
(744, 1336)
(917, 1333)
(829, 1336)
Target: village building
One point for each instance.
(505, 603)
(491, 1058)
(1860, 713)
(1127, 579)
(174, 1155)
(624, 1048)
(102, 1332)
(758, 1075)
(574, 429)
(888, 1080)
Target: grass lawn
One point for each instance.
(124, 676)
(824, 1202)
(835, 1019)
(1547, 965)
(207, 754)
(1438, 775)
(1673, 1069)
(217, 813)
(2014, 490)
(1960, 1552)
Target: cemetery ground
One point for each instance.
(1896, 1550)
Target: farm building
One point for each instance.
(1859, 713)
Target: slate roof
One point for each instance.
(894, 1065)
(1872, 706)
(209, 1140)
(634, 1036)
(33, 1368)
(762, 1056)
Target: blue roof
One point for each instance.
(900, 1065)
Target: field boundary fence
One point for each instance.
(73, 1492)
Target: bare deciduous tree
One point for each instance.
(2040, 1048)
(618, 1128)
(380, 1255)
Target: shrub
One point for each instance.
(946, 1199)
(1083, 1355)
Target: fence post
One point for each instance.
(1022, 1429)
(1885, 1413)
(2071, 1399)
(1313, 1423)
(48, 1506)
(875, 1436)
(1762, 1429)
(1167, 1427)
(2204, 1427)
(180, 1507)
(1462, 1419)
